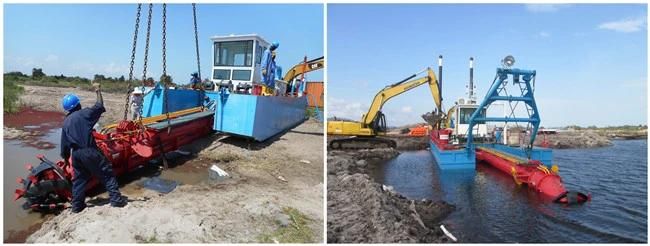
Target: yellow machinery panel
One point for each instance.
(347, 128)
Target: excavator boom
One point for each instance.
(373, 122)
(400, 87)
(304, 67)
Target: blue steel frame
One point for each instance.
(495, 94)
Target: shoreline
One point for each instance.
(360, 210)
(275, 193)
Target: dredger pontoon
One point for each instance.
(528, 165)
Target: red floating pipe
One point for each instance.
(534, 174)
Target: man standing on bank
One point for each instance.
(87, 160)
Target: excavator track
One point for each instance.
(355, 143)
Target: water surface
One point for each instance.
(492, 208)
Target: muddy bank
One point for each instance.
(43, 98)
(276, 194)
(573, 140)
(360, 210)
(30, 126)
(410, 143)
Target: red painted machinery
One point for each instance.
(532, 173)
(128, 145)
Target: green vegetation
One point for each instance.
(296, 232)
(109, 84)
(11, 95)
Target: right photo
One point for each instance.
(487, 123)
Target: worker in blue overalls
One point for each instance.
(195, 81)
(87, 160)
(268, 65)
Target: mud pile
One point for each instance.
(573, 140)
(360, 210)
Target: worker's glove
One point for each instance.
(263, 72)
(97, 86)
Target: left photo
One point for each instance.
(163, 123)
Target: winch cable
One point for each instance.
(133, 49)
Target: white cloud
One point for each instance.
(407, 109)
(341, 108)
(545, 8)
(626, 25)
(51, 58)
(543, 34)
(113, 69)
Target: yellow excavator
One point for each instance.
(304, 67)
(296, 71)
(364, 134)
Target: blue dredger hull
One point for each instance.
(465, 159)
(256, 117)
(453, 159)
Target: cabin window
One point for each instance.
(233, 53)
(241, 75)
(466, 113)
(221, 74)
(259, 53)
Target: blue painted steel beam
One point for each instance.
(519, 76)
(505, 119)
(511, 98)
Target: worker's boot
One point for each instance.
(121, 202)
(78, 209)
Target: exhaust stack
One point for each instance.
(471, 80)
(440, 80)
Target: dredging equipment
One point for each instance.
(176, 117)
(528, 165)
(127, 146)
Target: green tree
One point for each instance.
(99, 77)
(166, 79)
(37, 73)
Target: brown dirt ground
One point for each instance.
(359, 210)
(267, 179)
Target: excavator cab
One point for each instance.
(236, 62)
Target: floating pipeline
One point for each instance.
(128, 145)
(532, 173)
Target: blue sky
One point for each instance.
(591, 60)
(88, 39)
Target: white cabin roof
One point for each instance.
(233, 37)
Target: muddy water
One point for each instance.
(16, 154)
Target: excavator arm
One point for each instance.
(304, 67)
(400, 87)
(373, 122)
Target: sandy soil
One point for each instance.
(359, 210)
(49, 99)
(275, 193)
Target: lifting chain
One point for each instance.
(164, 64)
(146, 56)
(135, 41)
(196, 40)
(146, 47)
(198, 60)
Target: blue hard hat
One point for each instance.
(275, 44)
(70, 101)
